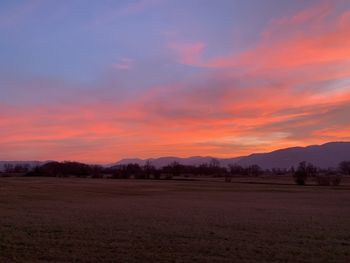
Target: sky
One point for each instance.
(98, 81)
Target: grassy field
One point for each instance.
(100, 220)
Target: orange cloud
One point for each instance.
(292, 88)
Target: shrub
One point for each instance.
(328, 178)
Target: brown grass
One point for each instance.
(99, 220)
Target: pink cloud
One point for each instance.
(306, 38)
(344, 20)
(188, 53)
(314, 14)
(282, 95)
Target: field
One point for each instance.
(104, 220)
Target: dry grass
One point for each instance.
(87, 220)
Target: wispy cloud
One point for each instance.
(291, 88)
(188, 53)
(124, 64)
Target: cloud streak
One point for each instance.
(290, 88)
(188, 53)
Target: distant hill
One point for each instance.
(324, 156)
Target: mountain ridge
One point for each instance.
(326, 155)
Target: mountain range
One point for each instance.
(324, 156)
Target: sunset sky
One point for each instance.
(97, 81)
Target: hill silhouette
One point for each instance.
(323, 156)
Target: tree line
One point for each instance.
(307, 171)
(136, 171)
(301, 174)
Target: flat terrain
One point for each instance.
(103, 220)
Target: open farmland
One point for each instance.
(101, 220)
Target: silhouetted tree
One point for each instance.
(148, 170)
(134, 169)
(214, 163)
(203, 169)
(118, 172)
(17, 168)
(8, 168)
(279, 171)
(172, 170)
(292, 170)
(96, 171)
(52, 169)
(215, 169)
(328, 177)
(236, 169)
(344, 167)
(304, 171)
(156, 174)
(254, 170)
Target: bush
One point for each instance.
(328, 179)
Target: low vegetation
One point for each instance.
(323, 177)
(304, 173)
